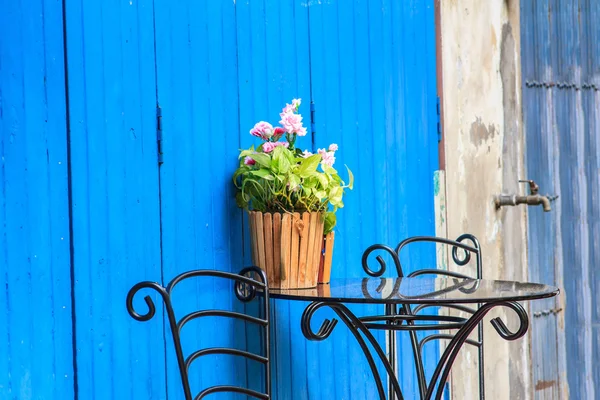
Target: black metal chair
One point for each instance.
(403, 316)
(246, 289)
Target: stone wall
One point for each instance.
(484, 153)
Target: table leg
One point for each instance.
(360, 332)
(435, 389)
(442, 371)
(390, 310)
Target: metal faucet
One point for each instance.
(533, 199)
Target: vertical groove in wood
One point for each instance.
(303, 249)
(260, 239)
(295, 246)
(276, 248)
(286, 230)
(269, 245)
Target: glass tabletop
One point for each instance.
(418, 290)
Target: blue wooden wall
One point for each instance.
(85, 191)
(561, 83)
(36, 340)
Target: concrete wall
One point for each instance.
(484, 151)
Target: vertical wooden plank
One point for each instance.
(310, 255)
(115, 196)
(303, 249)
(286, 239)
(35, 305)
(317, 250)
(277, 247)
(329, 241)
(260, 240)
(268, 235)
(295, 248)
(252, 223)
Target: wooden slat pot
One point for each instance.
(326, 258)
(287, 247)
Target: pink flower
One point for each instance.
(292, 123)
(290, 108)
(269, 146)
(333, 147)
(327, 157)
(249, 161)
(306, 154)
(301, 131)
(263, 130)
(278, 132)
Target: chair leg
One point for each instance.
(481, 364)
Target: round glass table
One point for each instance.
(405, 298)
(418, 290)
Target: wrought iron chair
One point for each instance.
(403, 319)
(246, 289)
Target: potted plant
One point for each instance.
(291, 197)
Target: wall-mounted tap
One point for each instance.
(533, 199)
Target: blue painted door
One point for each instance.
(104, 205)
(36, 357)
(561, 79)
(115, 200)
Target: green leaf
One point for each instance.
(328, 170)
(263, 173)
(254, 184)
(281, 162)
(294, 181)
(330, 221)
(335, 196)
(319, 194)
(310, 182)
(240, 171)
(350, 179)
(241, 201)
(248, 152)
(309, 166)
(262, 159)
(289, 154)
(322, 178)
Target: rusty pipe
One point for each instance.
(514, 200)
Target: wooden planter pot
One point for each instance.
(288, 247)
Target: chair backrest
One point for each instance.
(459, 257)
(245, 289)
